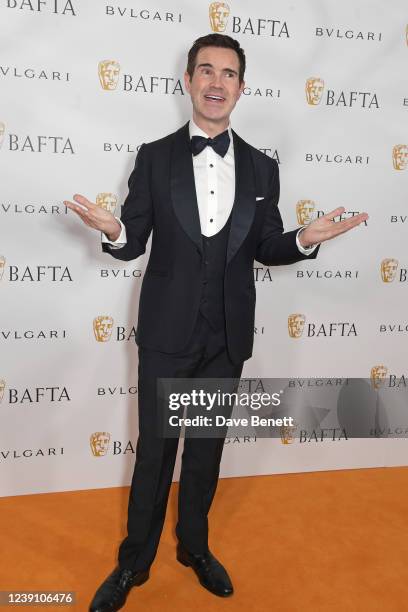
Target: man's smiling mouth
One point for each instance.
(214, 98)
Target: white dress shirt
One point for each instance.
(214, 178)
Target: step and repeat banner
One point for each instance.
(83, 85)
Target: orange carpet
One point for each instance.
(326, 541)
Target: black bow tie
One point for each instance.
(220, 143)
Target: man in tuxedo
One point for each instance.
(211, 203)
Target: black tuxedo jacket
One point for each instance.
(162, 198)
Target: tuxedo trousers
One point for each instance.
(205, 356)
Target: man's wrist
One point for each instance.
(114, 234)
(301, 238)
(305, 250)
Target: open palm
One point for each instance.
(324, 228)
(94, 216)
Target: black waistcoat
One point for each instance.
(212, 295)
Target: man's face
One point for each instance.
(214, 87)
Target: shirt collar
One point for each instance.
(197, 131)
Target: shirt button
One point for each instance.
(212, 192)
(211, 220)
(211, 165)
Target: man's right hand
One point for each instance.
(95, 216)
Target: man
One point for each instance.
(210, 200)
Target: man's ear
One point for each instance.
(187, 81)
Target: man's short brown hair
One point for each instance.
(216, 40)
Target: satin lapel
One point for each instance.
(243, 210)
(183, 191)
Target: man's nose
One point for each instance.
(216, 80)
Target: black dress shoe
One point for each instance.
(211, 574)
(112, 593)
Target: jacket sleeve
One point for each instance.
(137, 212)
(276, 247)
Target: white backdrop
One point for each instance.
(62, 133)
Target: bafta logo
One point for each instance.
(389, 268)
(304, 211)
(296, 324)
(102, 327)
(400, 157)
(99, 442)
(2, 387)
(378, 375)
(287, 433)
(107, 201)
(219, 13)
(108, 71)
(314, 90)
(2, 265)
(2, 130)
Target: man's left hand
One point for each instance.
(325, 228)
